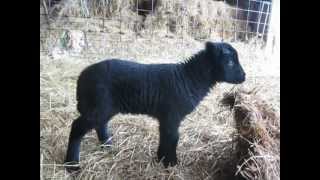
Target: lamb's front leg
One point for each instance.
(169, 137)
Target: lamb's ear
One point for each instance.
(210, 45)
(212, 48)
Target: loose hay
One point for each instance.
(258, 143)
(205, 145)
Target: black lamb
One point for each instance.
(166, 92)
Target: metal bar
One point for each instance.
(260, 15)
(265, 21)
(248, 19)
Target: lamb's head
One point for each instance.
(226, 65)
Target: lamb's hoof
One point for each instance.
(167, 161)
(171, 163)
(107, 143)
(72, 167)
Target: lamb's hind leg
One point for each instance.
(105, 114)
(79, 128)
(103, 133)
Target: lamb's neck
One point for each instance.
(197, 73)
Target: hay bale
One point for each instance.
(258, 143)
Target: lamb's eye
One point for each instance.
(230, 63)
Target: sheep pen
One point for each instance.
(209, 142)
